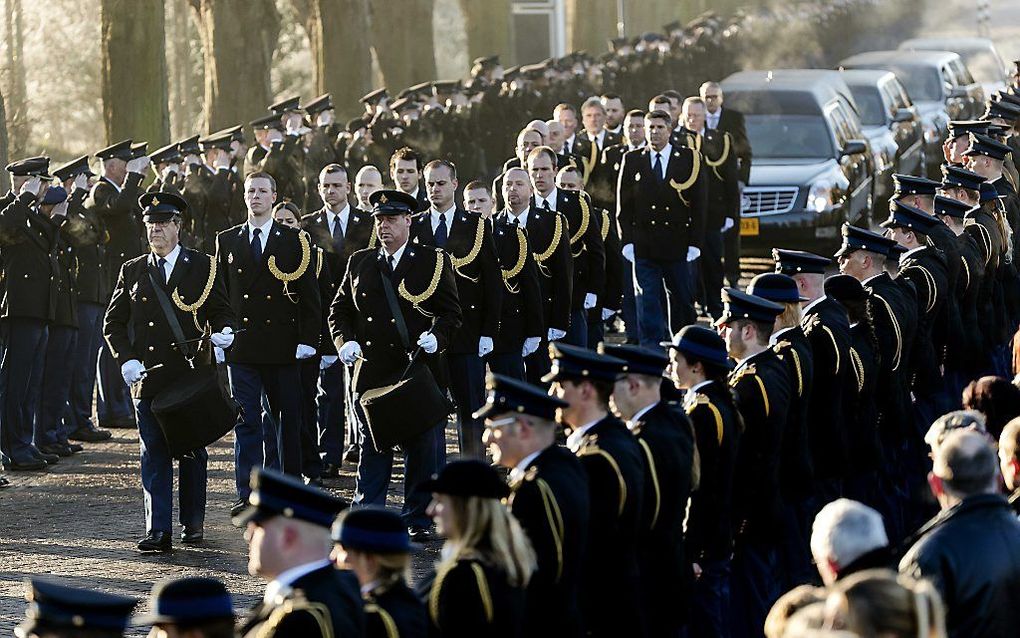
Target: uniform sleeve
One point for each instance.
(117, 319)
(492, 286)
(595, 249)
(531, 294)
(309, 304)
(342, 310)
(625, 200)
(217, 310)
(562, 267)
(13, 219)
(697, 196)
(535, 507)
(444, 304)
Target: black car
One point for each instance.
(812, 167)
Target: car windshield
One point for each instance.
(869, 104)
(922, 82)
(789, 136)
(984, 65)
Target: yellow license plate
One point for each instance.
(749, 226)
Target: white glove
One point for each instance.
(531, 345)
(81, 181)
(171, 169)
(304, 352)
(224, 338)
(328, 360)
(590, 300)
(132, 371)
(428, 342)
(60, 210)
(607, 314)
(484, 346)
(218, 353)
(726, 225)
(628, 252)
(349, 352)
(31, 185)
(274, 136)
(693, 252)
(555, 335)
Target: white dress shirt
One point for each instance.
(448, 219)
(396, 255)
(693, 390)
(811, 305)
(910, 252)
(521, 468)
(171, 259)
(287, 578)
(550, 198)
(568, 144)
(663, 158)
(263, 235)
(522, 219)
(712, 119)
(598, 138)
(576, 437)
(341, 218)
(777, 335)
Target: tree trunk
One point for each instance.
(5, 178)
(238, 40)
(338, 37)
(590, 25)
(403, 43)
(489, 27)
(185, 89)
(134, 71)
(19, 124)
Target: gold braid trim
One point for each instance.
(966, 270)
(595, 449)
(483, 590)
(655, 479)
(590, 162)
(585, 219)
(193, 308)
(437, 588)
(373, 239)
(929, 281)
(557, 235)
(318, 263)
(764, 394)
(287, 277)
(605, 224)
(695, 169)
(835, 347)
(317, 611)
(722, 157)
(416, 300)
(858, 368)
(800, 375)
(555, 517)
(473, 253)
(896, 330)
(522, 258)
(389, 624)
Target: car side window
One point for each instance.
(962, 73)
(890, 98)
(903, 100)
(837, 120)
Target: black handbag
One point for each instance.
(195, 409)
(414, 404)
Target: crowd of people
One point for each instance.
(645, 447)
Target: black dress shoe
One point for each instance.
(330, 471)
(238, 506)
(155, 542)
(316, 481)
(49, 459)
(74, 447)
(56, 448)
(192, 536)
(4, 482)
(27, 465)
(419, 533)
(90, 435)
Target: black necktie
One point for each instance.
(389, 265)
(338, 235)
(161, 267)
(657, 167)
(441, 232)
(256, 245)
(545, 205)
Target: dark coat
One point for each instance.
(732, 122)
(895, 314)
(860, 412)
(521, 307)
(276, 317)
(322, 604)
(926, 271)
(361, 313)
(360, 234)
(586, 247)
(827, 328)
(551, 503)
(548, 236)
(472, 599)
(971, 352)
(394, 612)
(29, 264)
(136, 328)
(86, 233)
(795, 469)
(660, 221)
(122, 223)
(971, 553)
(479, 282)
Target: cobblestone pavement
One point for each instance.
(80, 522)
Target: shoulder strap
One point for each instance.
(168, 312)
(391, 301)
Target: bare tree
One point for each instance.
(19, 125)
(5, 179)
(238, 40)
(184, 63)
(403, 42)
(489, 27)
(134, 71)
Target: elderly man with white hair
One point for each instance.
(848, 537)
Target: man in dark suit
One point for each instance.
(27, 270)
(114, 200)
(141, 338)
(467, 238)
(612, 460)
(548, 496)
(322, 145)
(762, 388)
(287, 530)
(584, 237)
(666, 438)
(405, 171)
(270, 280)
(732, 122)
(536, 274)
(361, 320)
(593, 138)
(661, 200)
(339, 230)
(223, 187)
(279, 152)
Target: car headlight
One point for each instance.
(819, 196)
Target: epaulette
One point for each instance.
(749, 370)
(590, 447)
(778, 349)
(297, 604)
(555, 518)
(701, 399)
(655, 478)
(740, 373)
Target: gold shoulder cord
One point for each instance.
(522, 258)
(858, 368)
(434, 593)
(896, 330)
(966, 271)
(472, 254)
(555, 518)
(416, 300)
(540, 258)
(389, 624)
(695, 169)
(655, 478)
(483, 590)
(835, 347)
(714, 165)
(588, 450)
(193, 308)
(317, 611)
(701, 399)
(318, 263)
(585, 220)
(590, 162)
(605, 224)
(287, 277)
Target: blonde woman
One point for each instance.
(478, 587)
(880, 603)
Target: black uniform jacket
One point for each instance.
(763, 398)
(610, 590)
(322, 604)
(29, 264)
(427, 296)
(86, 233)
(925, 269)
(795, 468)
(666, 438)
(276, 300)
(521, 307)
(135, 326)
(393, 611)
(479, 283)
(472, 598)
(894, 312)
(119, 210)
(717, 430)
(360, 234)
(550, 500)
(548, 236)
(827, 327)
(586, 246)
(662, 218)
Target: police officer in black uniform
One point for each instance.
(548, 496)
(612, 459)
(142, 340)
